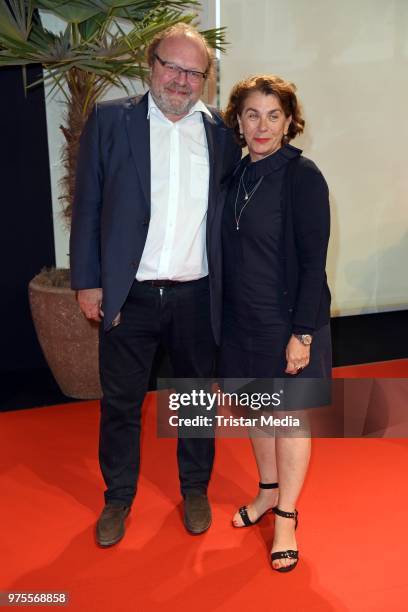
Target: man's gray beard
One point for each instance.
(169, 109)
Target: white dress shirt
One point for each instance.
(175, 247)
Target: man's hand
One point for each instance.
(297, 356)
(90, 301)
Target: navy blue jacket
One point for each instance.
(306, 218)
(111, 211)
(306, 231)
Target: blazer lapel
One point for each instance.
(139, 138)
(215, 135)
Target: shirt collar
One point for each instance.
(199, 107)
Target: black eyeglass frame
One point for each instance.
(187, 71)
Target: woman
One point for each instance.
(275, 232)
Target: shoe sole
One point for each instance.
(110, 542)
(195, 531)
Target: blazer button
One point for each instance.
(285, 293)
(290, 309)
(133, 264)
(146, 221)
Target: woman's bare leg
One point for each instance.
(292, 459)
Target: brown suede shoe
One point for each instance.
(110, 527)
(197, 513)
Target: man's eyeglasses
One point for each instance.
(194, 76)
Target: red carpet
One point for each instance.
(352, 534)
(397, 368)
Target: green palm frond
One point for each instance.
(216, 38)
(78, 11)
(90, 27)
(15, 19)
(72, 11)
(99, 36)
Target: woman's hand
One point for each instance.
(297, 356)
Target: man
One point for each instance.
(147, 178)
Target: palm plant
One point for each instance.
(103, 44)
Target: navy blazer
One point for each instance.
(306, 230)
(111, 211)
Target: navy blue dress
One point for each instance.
(256, 326)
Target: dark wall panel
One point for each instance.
(26, 229)
(371, 337)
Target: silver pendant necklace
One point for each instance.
(247, 196)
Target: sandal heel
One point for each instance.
(286, 554)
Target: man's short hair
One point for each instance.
(180, 29)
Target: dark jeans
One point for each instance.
(179, 317)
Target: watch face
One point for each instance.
(306, 339)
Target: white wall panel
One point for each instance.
(348, 59)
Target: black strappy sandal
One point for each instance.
(286, 554)
(243, 511)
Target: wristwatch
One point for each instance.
(305, 339)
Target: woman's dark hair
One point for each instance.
(267, 84)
